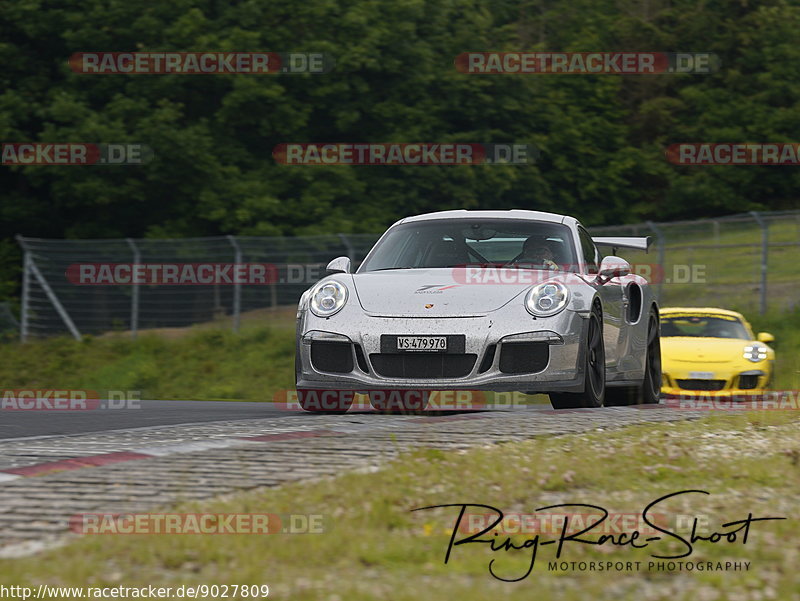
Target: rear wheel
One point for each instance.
(649, 390)
(594, 370)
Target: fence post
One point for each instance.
(62, 312)
(764, 254)
(137, 257)
(32, 269)
(660, 241)
(237, 285)
(26, 285)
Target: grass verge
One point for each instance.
(375, 547)
(205, 365)
(215, 364)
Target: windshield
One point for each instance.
(699, 325)
(461, 242)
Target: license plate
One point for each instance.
(701, 375)
(421, 343)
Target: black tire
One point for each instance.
(651, 387)
(325, 401)
(594, 383)
(649, 391)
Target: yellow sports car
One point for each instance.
(713, 351)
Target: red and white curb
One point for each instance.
(150, 452)
(62, 465)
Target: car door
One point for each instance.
(611, 296)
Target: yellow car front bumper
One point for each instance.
(732, 380)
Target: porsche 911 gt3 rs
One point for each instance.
(483, 301)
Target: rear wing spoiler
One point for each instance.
(616, 242)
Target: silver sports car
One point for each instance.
(481, 301)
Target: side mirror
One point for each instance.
(613, 267)
(339, 265)
(765, 337)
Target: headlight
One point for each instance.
(547, 299)
(328, 298)
(755, 353)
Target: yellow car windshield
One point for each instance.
(703, 326)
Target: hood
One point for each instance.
(703, 350)
(439, 292)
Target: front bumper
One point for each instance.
(731, 382)
(487, 340)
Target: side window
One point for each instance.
(589, 250)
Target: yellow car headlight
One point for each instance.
(755, 353)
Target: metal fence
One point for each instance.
(52, 304)
(749, 262)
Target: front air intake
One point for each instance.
(523, 357)
(332, 357)
(422, 366)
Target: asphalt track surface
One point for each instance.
(55, 465)
(18, 424)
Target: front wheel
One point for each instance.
(594, 383)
